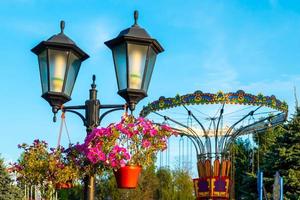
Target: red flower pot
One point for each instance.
(64, 185)
(127, 177)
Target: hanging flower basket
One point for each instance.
(125, 147)
(127, 177)
(46, 168)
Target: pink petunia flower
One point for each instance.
(122, 163)
(102, 156)
(166, 128)
(153, 132)
(146, 143)
(113, 163)
(92, 158)
(126, 156)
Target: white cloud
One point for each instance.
(96, 32)
(219, 71)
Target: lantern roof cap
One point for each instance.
(135, 33)
(135, 30)
(60, 40)
(61, 37)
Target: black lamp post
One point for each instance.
(134, 53)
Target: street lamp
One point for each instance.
(134, 54)
(59, 61)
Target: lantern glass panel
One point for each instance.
(74, 63)
(149, 69)
(136, 60)
(43, 70)
(58, 65)
(119, 54)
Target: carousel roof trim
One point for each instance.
(198, 98)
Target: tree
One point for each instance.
(244, 178)
(278, 149)
(46, 169)
(284, 156)
(183, 185)
(74, 193)
(264, 142)
(8, 191)
(148, 185)
(165, 190)
(163, 184)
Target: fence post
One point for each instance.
(281, 188)
(260, 185)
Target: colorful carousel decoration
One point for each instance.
(213, 130)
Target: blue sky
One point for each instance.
(209, 45)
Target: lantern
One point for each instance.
(59, 63)
(134, 54)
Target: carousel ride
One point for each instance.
(212, 129)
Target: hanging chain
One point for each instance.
(62, 125)
(165, 122)
(180, 146)
(189, 143)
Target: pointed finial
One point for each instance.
(62, 26)
(94, 79)
(54, 117)
(54, 110)
(136, 16)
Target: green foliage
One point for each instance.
(148, 183)
(162, 184)
(166, 188)
(8, 191)
(279, 150)
(106, 187)
(37, 166)
(265, 141)
(74, 193)
(284, 156)
(183, 184)
(244, 178)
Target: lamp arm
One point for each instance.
(80, 107)
(78, 114)
(109, 111)
(123, 106)
(72, 109)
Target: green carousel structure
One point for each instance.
(212, 135)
